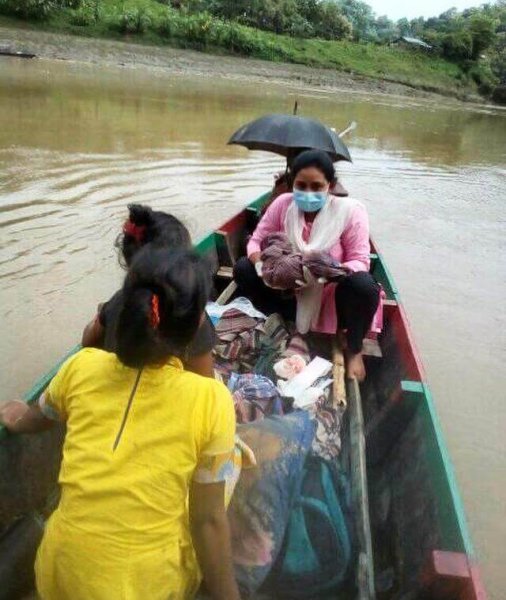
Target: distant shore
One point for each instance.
(57, 46)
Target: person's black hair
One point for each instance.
(150, 227)
(314, 158)
(179, 282)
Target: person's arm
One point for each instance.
(211, 539)
(269, 223)
(18, 417)
(355, 241)
(208, 520)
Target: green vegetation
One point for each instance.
(339, 34)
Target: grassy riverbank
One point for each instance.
(148, 21)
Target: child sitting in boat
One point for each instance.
(142, 435)
(335, 231)
(162, 230)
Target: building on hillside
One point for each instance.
(410, 42)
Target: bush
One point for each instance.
(301, 28)
(169, 26)
(135, 20)
(35, 9)
(29, 9)
(88, 14)
(458, 45)
(202, 29)
(483, 78)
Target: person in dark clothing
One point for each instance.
(143, 227)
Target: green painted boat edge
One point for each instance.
(383, 276)
(452, 521)
(448, 476)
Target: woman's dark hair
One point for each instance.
(148, 226)
(164, 296)
(317, 159)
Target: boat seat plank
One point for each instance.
(227, 293)
(225, 272)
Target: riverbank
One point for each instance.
(56, 46)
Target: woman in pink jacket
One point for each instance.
(319, 223)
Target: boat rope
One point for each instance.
(127, 410)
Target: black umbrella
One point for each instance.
(284, 134)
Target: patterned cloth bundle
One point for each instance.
(244, 342)
(283, 267)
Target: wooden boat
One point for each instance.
(413, 541)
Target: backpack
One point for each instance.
(317, 551)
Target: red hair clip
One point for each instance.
(136, 231)
(155, 311)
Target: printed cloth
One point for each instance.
(255, 397)
(329, 419)
(247, 344)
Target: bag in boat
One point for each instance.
(260, 507)
(316, 555)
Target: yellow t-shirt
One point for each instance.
(121, 528)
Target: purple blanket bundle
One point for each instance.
(282, 266)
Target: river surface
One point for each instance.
(79, 142)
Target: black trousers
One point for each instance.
(357, 298)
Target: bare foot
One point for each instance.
(355, 368)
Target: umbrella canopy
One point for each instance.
(283, 134)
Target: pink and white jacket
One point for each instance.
(351, 248)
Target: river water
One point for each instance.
(77, 143)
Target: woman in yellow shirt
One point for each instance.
(139, 512)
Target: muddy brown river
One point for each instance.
(78, 142)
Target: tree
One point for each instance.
(331, 23)
(404, 27)
(482, 29)
(307, 9)
(361, 17)
(386, 29)
(418, 26)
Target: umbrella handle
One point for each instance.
(351, 127)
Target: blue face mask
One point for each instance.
(309, 201)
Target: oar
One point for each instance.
(351, 127)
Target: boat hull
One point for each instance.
(420, 541)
